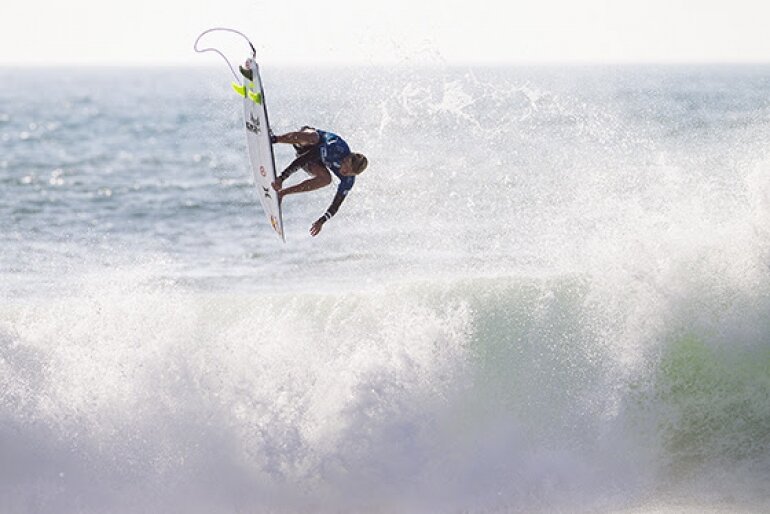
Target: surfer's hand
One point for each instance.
(316, 228)
(278, 184)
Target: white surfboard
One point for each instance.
(260, 148)
(257, 127)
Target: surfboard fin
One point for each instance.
(255, 97)
(241, 90)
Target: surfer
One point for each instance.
(318, 152)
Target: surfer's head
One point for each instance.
(358, 163)
(354, 164)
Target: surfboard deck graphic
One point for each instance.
(260, 148)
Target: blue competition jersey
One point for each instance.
(333, 150)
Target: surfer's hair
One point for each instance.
(359, 162)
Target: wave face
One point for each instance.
(549, 293)
(470, 395)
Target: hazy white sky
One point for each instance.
(354, 31)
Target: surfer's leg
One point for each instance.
(316, 169)
(320, 177)
(304, 157)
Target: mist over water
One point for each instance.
(548, 292)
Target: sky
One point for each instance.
(303, 32)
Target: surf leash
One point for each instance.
(212, 49)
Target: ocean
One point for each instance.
(549, 292)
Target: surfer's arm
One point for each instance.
(299, 138)
(331, 211)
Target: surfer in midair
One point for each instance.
(319, 153)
